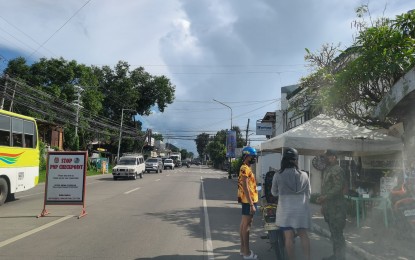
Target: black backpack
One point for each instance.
(267, 188)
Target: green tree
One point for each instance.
(216, 152)
(184, 154)
(47, 89)
(158, 137)
(190, 155)
(351, 85)
(202, 141)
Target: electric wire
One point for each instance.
(53, 34)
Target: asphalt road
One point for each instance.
(186, 213)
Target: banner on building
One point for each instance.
(263, 128)
(230, 144)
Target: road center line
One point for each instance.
(157, 180)
(131, 190)
(208, 236)
(31, 232)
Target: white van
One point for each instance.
(129, 166)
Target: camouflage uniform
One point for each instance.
(334, 207)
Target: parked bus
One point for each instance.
(19, 154)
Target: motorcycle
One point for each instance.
(186, 163)
(403, 207)
(269, 212)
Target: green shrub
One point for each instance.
(42, 156)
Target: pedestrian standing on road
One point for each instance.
(248, 196)
(292, 187)
(333, 204)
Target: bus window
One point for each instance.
(28, 141)
(4, 138)
(29, 133)
(4, 130)
(17, 132)
(17, 140)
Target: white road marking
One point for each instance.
(132, 190)
(208, 236)
(31, 232)
(168, 175)
(157, 180)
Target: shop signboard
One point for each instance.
(263, 128)
(382, 162)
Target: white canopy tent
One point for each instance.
(324, 132)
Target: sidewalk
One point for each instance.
(372, 240)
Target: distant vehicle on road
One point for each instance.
(186, 163)
(154, 165)
(168, 163)
(129, 166)
(176, 156)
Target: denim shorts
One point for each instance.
(286, 228)
(246, 209)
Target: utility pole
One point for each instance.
(78, 105)
(4, 92)
(11, 101)
(119, 140)
(246, 133)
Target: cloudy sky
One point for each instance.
(239, 52)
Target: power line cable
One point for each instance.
(27, 35)
(53, 34)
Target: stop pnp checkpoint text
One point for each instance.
(65, 166)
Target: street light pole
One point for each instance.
(227, 107)
(119, 140)
(230, 159)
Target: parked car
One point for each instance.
(154, 165)
(168, 163)
(129, 166)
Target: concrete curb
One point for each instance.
(361, 253)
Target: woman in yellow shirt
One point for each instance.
(248, 196)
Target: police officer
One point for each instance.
(333, 204)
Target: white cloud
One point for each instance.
(234, 51)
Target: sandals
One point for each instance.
(251, 256)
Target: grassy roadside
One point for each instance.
(42, 174)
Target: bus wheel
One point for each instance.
(11, 197)
(4, 190)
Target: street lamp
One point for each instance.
(227, 107)
(230, 159)
(119, 140)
